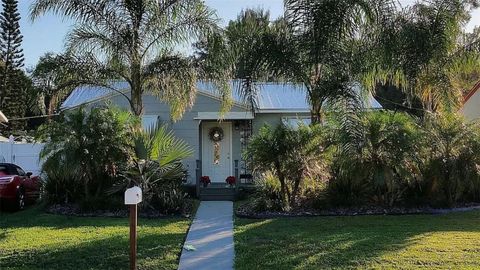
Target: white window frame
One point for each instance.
(295, 121)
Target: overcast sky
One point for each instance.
(47, 34)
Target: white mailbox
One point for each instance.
(133, 196)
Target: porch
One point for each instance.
(217, 191)
(221, 144)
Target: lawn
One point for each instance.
(34, 240)
(380, 242)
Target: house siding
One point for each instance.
(187, 128)
(471, 108)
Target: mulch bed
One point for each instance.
(76, 211)
(245, 211)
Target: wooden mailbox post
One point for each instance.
(133, 196)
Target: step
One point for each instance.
(217, 191)
(217, 197)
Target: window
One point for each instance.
(20, 172)
(4, 170)
(295, 122)
(149, 121)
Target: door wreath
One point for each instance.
(216, 134)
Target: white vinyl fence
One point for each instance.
(25, 155)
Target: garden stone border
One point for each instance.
(241, 212)
(74, 211)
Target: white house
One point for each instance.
(217, 145)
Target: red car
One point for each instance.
(17, 187)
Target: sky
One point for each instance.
(47, 34)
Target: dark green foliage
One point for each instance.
(10, 36)
(290, 155)
(453, 159)
(268, 195)
(379, 165)
(396, 160)
(91, 157)
(156, 167)
(423, 51)
(13, 88)
(52, 77)
(383, 159)
(244, 51)
(82, 154)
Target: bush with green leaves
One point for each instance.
(82, 153)
(156, 167)
(290, 155)
(453, 159)
(91, 157)
(375, 159)
(268, 195)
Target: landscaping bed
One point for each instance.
(74, 210)
(32, 239)
(448, 241)
(245, 210)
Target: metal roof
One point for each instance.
(274, 97)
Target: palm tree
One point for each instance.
(136, 41)
(324, 47)
(243, 51)
(423, 52)
(86, 148)
(453, 159)
(52, 80)
(156, 165)
(377, 152)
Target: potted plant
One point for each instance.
(205, 180)
(231, 180)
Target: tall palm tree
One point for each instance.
(423, 52)
(243, 51)
(52, 80)
(325, 36)
(137, 41)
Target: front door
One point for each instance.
(217, 150)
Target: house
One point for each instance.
(471, 104)
(217, 144)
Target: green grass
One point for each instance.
(376, 242)
(34, 240)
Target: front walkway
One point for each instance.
(211, 235)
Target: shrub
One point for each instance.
(156, 167)
(268, 195)
(369, 158)
(82, 153)
(290, 155)
(375, 159)
(453, 158)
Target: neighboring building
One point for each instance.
(471, 104)
(217, 157)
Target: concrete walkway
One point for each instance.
(211, 234)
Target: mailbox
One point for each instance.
(133, 196)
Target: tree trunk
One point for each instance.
(294, 194)
(316, 112)
(283, 186)
(136, 90)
